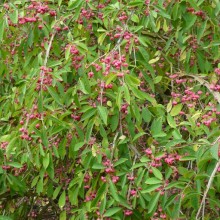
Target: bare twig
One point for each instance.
(117, 44)
(42, 72)
(46, 58)
(202, 205)
(113, 145)
(206, 84)
(132, 175)
(206, 191)
(135, 151)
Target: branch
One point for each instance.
(208, 185)
(137, 154)
(113, 145)
(207, 85)
(46, 57)
(45, 63)
(117, 44)
(132, 175)
(207, 189)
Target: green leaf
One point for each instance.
(74, 4)
(136, 3)
(120, 161)
(56, 192)
(152, 181)
(81, 45)
(193, 4)
(175, 11)
(151, 188)
(144, 54)
(3, 217)
(14, 164)
(5, 138)
(146, 115)
(101, 38)
(201, 30)
(154, 60)
(135, 18)
(59, 2)
(187, 158)
(44, 137)
(54, 94)
(113, 191)
(153, 202)
(14, 16)
(157, 79)
(144, 159)
(119, 97)
(123, 202)
(11, 146)
(40, 186)
(142, 41)
(171, 121)
(214, 151)
(112, 211)
(156, 127)
(54, 63)
(62, 200)
(98, 166)
(138, 135)
(82, 87)
(109, 78)
(34, 182)
(189, 21)
(46, 161)
(77, 146)
(157, 173)
(40, 103)
(162, 12)
(89, 129)
(176, 109)
(169, 106)
(103, 112)
(132, 81)
(142, 95)
(2, 28)
(67, 53)
(101, 191)
(63, 215)
(127, 94)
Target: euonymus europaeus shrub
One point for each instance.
(109, 109)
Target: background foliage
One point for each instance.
(109, 109)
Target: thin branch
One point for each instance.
(46, 58)
(132, 175)
(42, 72)
(113, 144)
(202, 205)
(206, 191)
(117, 44)
(206, 84)
(135, 151)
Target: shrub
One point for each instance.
(109, 109)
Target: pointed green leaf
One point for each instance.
(153, 202)
(112, 211)
(113, 191)
(157, 173)
(152, 181)
(176, 110)
(54, 94)
(62, 200)
(103, 112)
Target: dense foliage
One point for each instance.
(109, 109)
